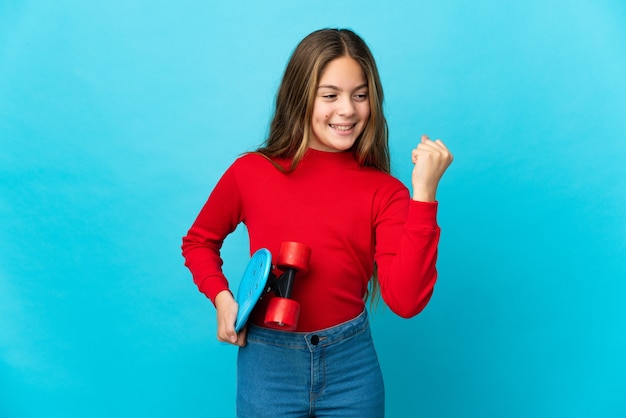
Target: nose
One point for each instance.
(345, 107)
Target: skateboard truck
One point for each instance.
(282, 311)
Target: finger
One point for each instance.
(241, 337)
(226, 332)
(231, 334)
(424, 148)
(414, 153)
(440, 144)
(429, 143)
(227, 337)
(231, 339)
(436, 146)
(446, 152)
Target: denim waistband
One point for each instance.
(310, 340)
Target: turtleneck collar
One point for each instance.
(329, 160)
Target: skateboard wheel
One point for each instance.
(293, 255)
(282, 314)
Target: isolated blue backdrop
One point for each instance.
(118, 117)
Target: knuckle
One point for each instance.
(222, 335)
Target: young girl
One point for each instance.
(322, 179)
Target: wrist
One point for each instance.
(421, 195)
(225, 296)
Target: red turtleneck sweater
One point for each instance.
(350, 216)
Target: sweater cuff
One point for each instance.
(212, 287)
(423, 214)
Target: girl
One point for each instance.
(322, 179)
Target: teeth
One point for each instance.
(342, 127)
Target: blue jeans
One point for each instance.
(328, 373)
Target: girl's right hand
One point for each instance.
(226, 316)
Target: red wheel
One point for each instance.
(282, 314)
(293, 255)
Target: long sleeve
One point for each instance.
(407, 238)
(201, 246)
(350, 216)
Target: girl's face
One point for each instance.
(341, 108)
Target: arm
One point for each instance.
(201, 249)
(408, 235)
(201, 246)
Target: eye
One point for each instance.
(329, 96)
(360, 97)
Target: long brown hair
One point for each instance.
(290, 127)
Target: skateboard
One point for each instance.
(258, 279)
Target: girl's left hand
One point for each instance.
(431, 159)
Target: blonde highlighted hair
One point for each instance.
(290, 127)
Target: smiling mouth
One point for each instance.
(342, 127)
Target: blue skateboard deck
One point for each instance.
(253, 284)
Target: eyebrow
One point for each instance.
(330, 86)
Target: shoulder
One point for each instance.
(251, 159)
(253, 168)
(254, 161)
(388, 193)
(382, 180)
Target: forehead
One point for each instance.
(343, 72)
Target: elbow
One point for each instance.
(410, 309)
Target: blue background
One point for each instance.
(118, 117)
